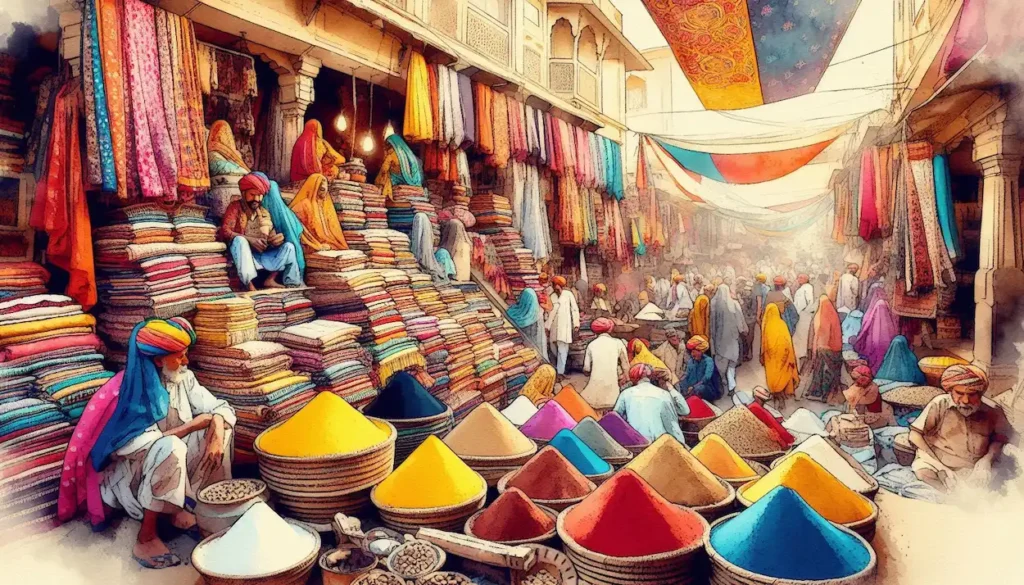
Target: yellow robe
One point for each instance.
(320, 226)
(777, 353)
(700, 317)
(541, 385)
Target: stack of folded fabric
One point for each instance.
(427, 296)
(328, 351)
(348, 203)
(485, 360)
(516, 259)
(400, 245)
(405, 202)
(145, 223)
(464, 402)
(21, 279)
(398, 285)
(298, 308)
(256, 378)
(210, 273)
(191, 225)
(334, 296)
(460, 363)
(160, 281)
(374, 207)
(392, 348)
(226, 322)
(491, 211)
(355, 169)
(336, 261)
(269, 307)
(375, 244)
(454, 299)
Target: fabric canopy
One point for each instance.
(744, 168)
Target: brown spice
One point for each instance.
(512, 517)
(550, 476)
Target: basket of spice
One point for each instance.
(819, 489)
(682, 479)
(512, 519)
(550, 418)
(701, 414)
(623, 433)
(260, 547)
(416, 558)
(550, 480)
(552, 567)
(754, 547)
(345, 564)
(594, 436)
(725, 463)
(933, 367)
(908, 399)
(433, 488)
(746, 434)
(379, 577)
(625, 532)
(412, 410)
(325, 458)
(444, 578)
(904, 450)
(221, 504)
(837, 462)
(490, 444)
(582, 456)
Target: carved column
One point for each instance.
(1000, 279)
(296, 95)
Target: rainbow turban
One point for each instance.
(971, 378)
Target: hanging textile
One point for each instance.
(419, 123)
(502, 147)
(99, 142)
(555, 158)
(462, 175)
(193, 169)
(883, 189)
(920, 269)
(924, 179)
(868, 211)
(944, 203)
(468, 113)
(114, 79)
(60, 208)
(457, 111)
(273, 155)
(516, 131)
(445, 105)
(532, 142)
(535, 228)
(484, 119)
(570, 217)
(435, 101)
(164, 34)
(542, 142)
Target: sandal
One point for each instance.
(164, 561)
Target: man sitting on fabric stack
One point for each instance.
(255, 244)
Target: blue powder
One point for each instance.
(579, 454)
(781, 536)
(403, 398)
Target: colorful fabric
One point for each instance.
(869, 228)
(827, 329)
(699, 343)
(254, 181)
(100, 146)
(223, 154)
(285, 220)
(777, 353)
(600, 325)
(641, 355)
(321, 228)
(743, 169)
(640, 371)
(541, 384)
(419, 121)
(309, 151)
(193, 160)
(527, 309)
(114, 80)
(971, 378)
(944, 202)
(900, 363)
(700, 317)
(876, 334)
(400, 167)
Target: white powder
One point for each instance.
(805, 422)
(259, 543)
(520, 411)
(824, 453)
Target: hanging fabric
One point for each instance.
(502, 148)
(484, 119)
(944, 203)
(193, 167)
(459, 131)
(468, 112)
(868, 211)
(883, 189)
(111, 33)
(435, 104)
(419, 123)
(924, 179)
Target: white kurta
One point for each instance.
(848, 293)
(157, 472)
(605, 360)
(684, 300)
(803, 300)
(564, 317)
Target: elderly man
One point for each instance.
(651, 410)
(958, 437)
(255, 244)
(848, 292)
(151, 438)
(563, 321)
(669, 352)
(607, 363)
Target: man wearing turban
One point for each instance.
(255, 244)
(848, 292)
(607, 363)
(563, 320)
(600, 305)
(149, 440)
(650, 409)
(701, 377)
(959, 437)
(669, 352)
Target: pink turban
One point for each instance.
(257, 181)
(602, 325)
(639, 372)
(971, 378)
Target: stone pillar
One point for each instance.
(70, 22)
(296, 95)
(1000, 279)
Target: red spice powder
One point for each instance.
(626, 517)
(698, 408)
(512, 517)
(548, 475)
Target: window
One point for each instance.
(588, 49)
(532, 13)
(562, 40)
(636, 94)
(496, 9)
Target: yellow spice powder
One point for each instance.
(721, 459)
(326, 426)
(432, 477)
(819, 488)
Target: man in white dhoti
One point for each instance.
(607, 363)
(848, 292)
(804, 301)
(563, 321)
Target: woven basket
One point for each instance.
(724, 572)
(374, 575)
(715, 511)
(546, 538)
(695, 425)
(556, 505)
(439, 559)
(413, 431)
(865, 527)
(335, 577)
(636, 449)
(446, 577)
(763, 459)
(904, 450)
(297, 574)
(214, 516)
(600, 478)
(869, 492)
(493, 468)
(448, 518)
(682, 567)
(618, 462)
(553, 562)
(314, 489)
(934, 366)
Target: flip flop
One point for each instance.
(164, 561)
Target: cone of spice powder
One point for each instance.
(746, 434)
(520, 411)
(550, 419)
(583, 457)
(574, 404)
(549, 479)
(413, 411)
(698, 408)
(512, 519)
(722, 460)
(598, 439)
(489, 443)
(624, 434)
(678, 476)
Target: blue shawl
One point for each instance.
(284, 220)
(900, 363)
(409, 170)
(944, 203)
(527, 309)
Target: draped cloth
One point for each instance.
(726, 324)
(60, 208)
(944, 203)
(399, 167)
(700, 317)
(467, 113)
(876, 334)
(457, 242)
(223, 154)
(826, 346)
(502, 151)
(100, 152)
(284, 220)
(869, 228)
(309, 151)
(114, 79)
(639, 354)
(919, 268)
(777, 353)
(190, 146)
(484, 118)
(422, 244)
(419, 121)
(444, 258)
(900, 364)
(527, 309)
(321, 228)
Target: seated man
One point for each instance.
(702, 378)
(669, 352)
(650, 409)
(150, 439)
(957, 436)
(254, 242)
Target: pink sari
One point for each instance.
(80, 482)
(876, 334)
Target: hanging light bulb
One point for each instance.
(367, 144)
(341, 122)
(388, 131)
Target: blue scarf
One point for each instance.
(284, 220)
(527, 310)
(410, 172)
(944, 203)
(444, 257)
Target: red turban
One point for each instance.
(698, 342)
(639, 372)
(862, 373)
(602, 325)
(257, 181)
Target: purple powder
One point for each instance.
(546, 423)
(619, 429)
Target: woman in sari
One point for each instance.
(778, 356)
(541, 386)
(313, 155)
(315, 210)
(900, 364)
(700, 317)
(223, 155)
(400, 166)
(527, 315)
(640, 354)
(459, 246)
(826, 347)
(422, 246)
(876, 334)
